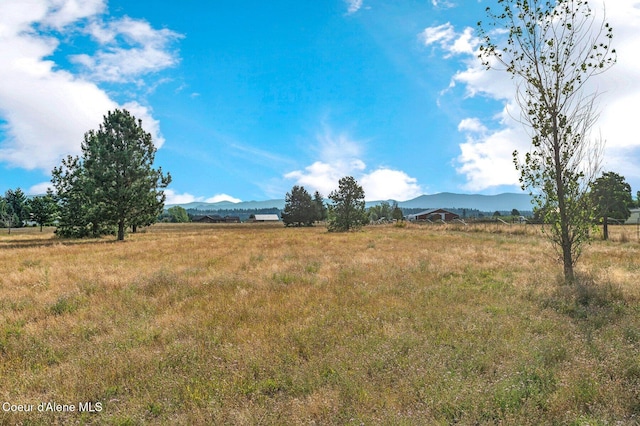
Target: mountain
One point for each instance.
(486, 203)
(228, 205)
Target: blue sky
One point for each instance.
(247, 99)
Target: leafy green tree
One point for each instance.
(43, 208)
(113, 185)
(299, 208)
(612, 199)
(347, 210)
(178, 214)
(515, 212)
(380, 211)
(552, 49)
(321, 208)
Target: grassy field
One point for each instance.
(248, 324)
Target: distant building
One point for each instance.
(634, 218)
(208, 219)
(434, 215)
(266, 218)
(214, 218)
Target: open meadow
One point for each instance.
(257, 324)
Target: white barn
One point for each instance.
(634, 218)
(266, 218)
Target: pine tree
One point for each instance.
(113, 185)
(17, 207)
(348, 209)
(321, 208)
(299, 209)
(43, 208)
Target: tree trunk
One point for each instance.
(605, 228)
(567, 261)
(121, 230)
(565, 240)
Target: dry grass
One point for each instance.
(245, 324)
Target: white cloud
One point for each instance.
(172, 197)
(486, 155)
(441, 34)
(39, 189)
(176, 198)
(222, 197)
(472, 125)
(340, 157)
(64, 12)
(449, 40)
(486, 158)
(47, 109)
(353, 6)
(385, 184)
(144, 50)
(442, 4)
(19, 15)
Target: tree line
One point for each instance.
(345, 211)
(611, 198)
(16, 209)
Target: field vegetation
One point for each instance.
(261, 324)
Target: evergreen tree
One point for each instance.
(396, 212)
(43, 209)
(299, 208)
(17, 207)
(6, 215)
(321, 208)
(78, 215)
(113, 185)
(347, 211)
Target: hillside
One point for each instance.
(488, 203)
(502, 202)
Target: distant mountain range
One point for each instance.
(228, 205)
(487, 203)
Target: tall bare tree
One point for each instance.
(551, 49)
